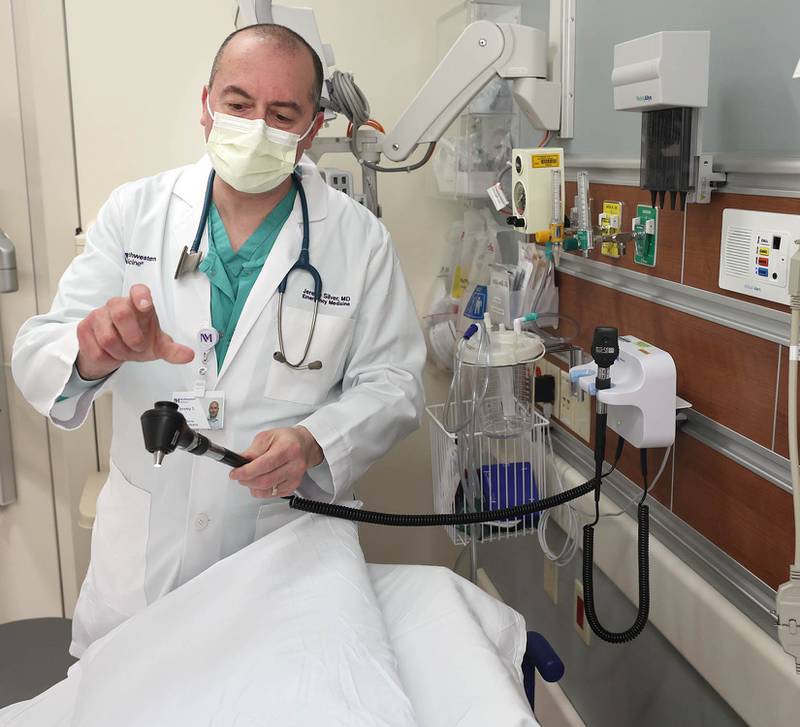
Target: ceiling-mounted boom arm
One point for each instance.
(483, 51)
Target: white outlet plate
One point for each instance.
(582, 416)
(585, 633)
(565, 408)
(551, 579)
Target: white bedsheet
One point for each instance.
(296, 630)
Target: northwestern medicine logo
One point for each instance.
(647, 97)
(207, 337)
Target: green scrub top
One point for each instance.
(233, 274)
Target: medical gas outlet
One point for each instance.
(610, 224)
(645, 235)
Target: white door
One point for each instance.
(30, 583)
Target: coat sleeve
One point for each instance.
(382, 394)
(46, 346)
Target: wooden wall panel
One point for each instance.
(746, 516)
(715, 365)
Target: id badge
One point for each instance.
(202, 412)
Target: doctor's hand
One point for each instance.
(280, 458)
(125, 329)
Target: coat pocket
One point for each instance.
(329, 345)
(119, 544)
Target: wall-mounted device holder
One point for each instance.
(8, 284)
(642, 400)
(665, 77)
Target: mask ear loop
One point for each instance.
(308, 130)
(208, 106)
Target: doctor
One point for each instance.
(121, 321)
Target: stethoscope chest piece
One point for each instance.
(189, 261)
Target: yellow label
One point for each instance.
(543, 161)
(459, 283)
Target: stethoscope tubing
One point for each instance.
(303, 263)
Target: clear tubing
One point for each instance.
(555, 339)
(456, 384)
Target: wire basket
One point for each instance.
(507, 461)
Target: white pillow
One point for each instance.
(459, 650)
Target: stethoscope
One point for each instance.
(191, 257)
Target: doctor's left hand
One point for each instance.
(280, 459)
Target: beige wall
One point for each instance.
(29, 567)
(43, 552)
(137, 73)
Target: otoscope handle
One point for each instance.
(232, 459)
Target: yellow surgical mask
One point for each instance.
(250, 155)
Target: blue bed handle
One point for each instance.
(541, 657)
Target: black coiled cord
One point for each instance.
(643, 516)
(343, 512)
(642, 614)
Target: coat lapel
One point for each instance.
(191, 298)
(281, 258)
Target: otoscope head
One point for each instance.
(162, 428)
(605, 346)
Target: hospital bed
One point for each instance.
(298, 630)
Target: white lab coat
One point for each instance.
(157, 528)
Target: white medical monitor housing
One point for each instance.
(662, 70)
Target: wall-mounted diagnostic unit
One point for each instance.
(755, 252)
(664, 76)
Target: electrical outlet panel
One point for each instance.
(582, 416)
(339, 179)
(645, 227)
(580, 622)
(755, 252)
(610, 222)
(565, 399)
